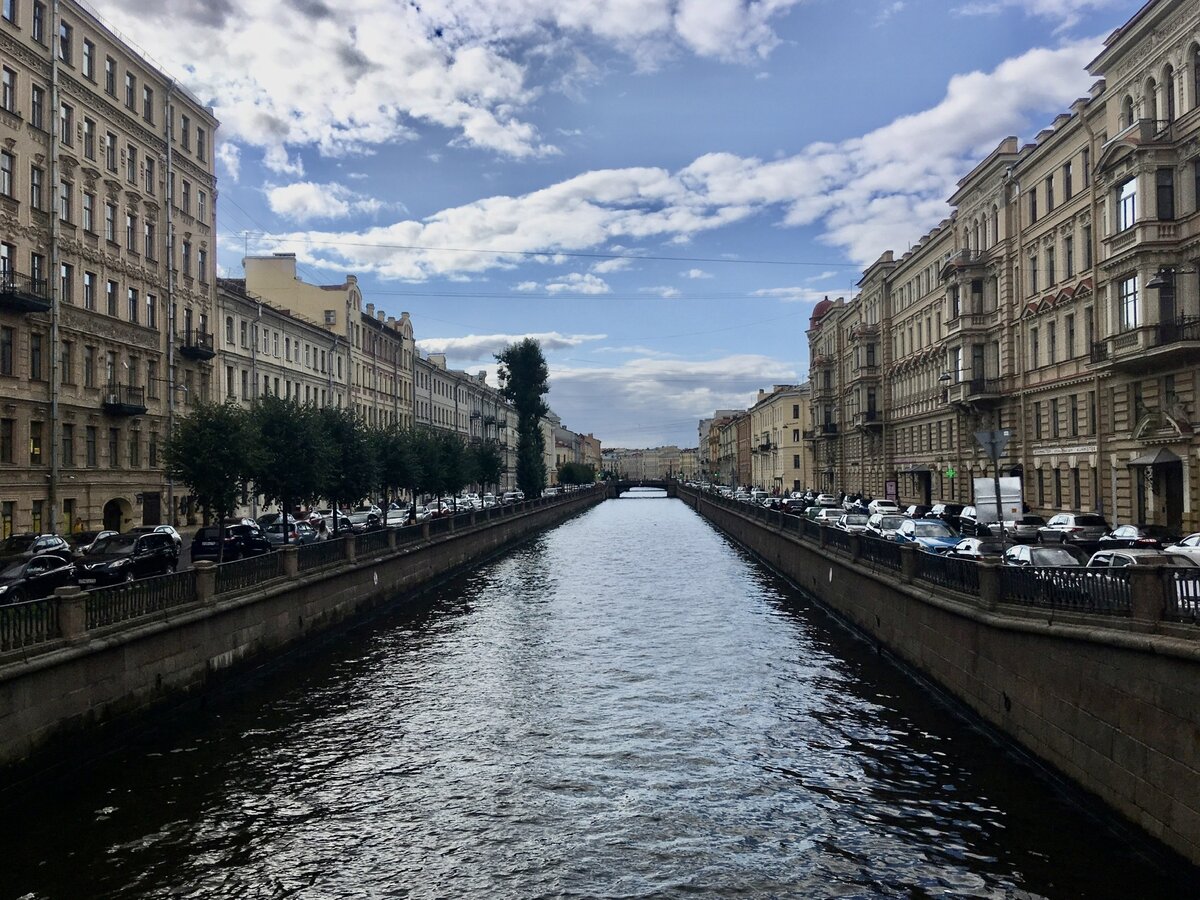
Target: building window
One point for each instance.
(114, 444)
(110, 222)
(1068, 190)
(1033, 273)
(148, 103)
(66, 128)
(1049, 193)
(1051, 343)
(35, 187)
(6, 350)
(89, 367)
(64, 42)
(65, 189)
(88, 219)
(8, 89)
(68, 446)
(1087, 247)
(37, 269)
(151, 237)
(89, 290)
(37, 107)
(229, 330)
(35, 358)
(1034, 348)
(135, 448)
(187, 258)
(131, 232)
(110, 297)
(201, 152)
(1037, 419)
(1033, 210)
(1127, 204)
(244, 329)
(7, 161)
(1050, 261)
(130, 91)
(1070, 323)
(89, 443)
(10, 14)
(89, 60)
(151, 311)
(202, 265)
(1127, 296)
(7, 429)
(1164, 190)
(110, 76)
(39, 22)
(185, 203)
(110, 151)
(89, 138)
(1069, 256)
(131, 157)
(202, 206)
(132, 301)
(185, 132)
(149, 175)
(35, 444)
(66, 280)
(152, 459)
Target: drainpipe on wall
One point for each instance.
(52, 277)
(168, 124)
(1093, 250)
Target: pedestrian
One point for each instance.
(322, 531)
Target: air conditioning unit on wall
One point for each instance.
(331, 317)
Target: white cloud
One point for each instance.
(612, 265)
(477, 347)
(370, 72)
(889, 10)
(527, 286)
(663, 290)
(306, 200)
(867, 194)
(578, 283)
(230, 157)
(1065, 12)
(696, 273)
(793, 294)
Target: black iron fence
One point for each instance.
(1070, 588)
(878, 552)
(960, 575)
(320, 554)
(240, 574)
(107, 606)
(837, 539)
(26, 624)
(1181, 587)
(371, 542)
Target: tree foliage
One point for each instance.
(352, 469)
(489, 463)
(524, 382)
(294, 455)
(210, 451)
(576, 473)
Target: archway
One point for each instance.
(117, 514)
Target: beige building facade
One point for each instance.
(107, 247)
(1060, 302)
(778, 419)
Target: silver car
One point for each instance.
(1081, 529)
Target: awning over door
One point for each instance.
(1158, 457)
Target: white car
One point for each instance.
(885, 507)
(827, 500)
(1189, 547)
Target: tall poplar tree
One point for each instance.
(524, 382)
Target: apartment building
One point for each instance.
(107, 239)
(1060, 301)
(778, 419)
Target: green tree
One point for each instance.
(489, 464)
(210, 451)
(576, 473)
(293, 456)
(352, 470)
(453, 467)
(398, 465)
(524, 382)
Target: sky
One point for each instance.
(657, 190)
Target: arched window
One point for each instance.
(1194, 57)
(1151, 100)
(1169, 83)
(1127, 111)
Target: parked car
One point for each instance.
(365, 521)
(883, 506)
(828, 515)
(29, 544)
(812, 512)
(1188, 546)
(510, 497)
(918, 510)
(884, 525)
(33, 578)
(948, 513)
(83, 541)
(1042, 556)
(969, 524)
(1136, 556)
(1024, 529)
(1154, 536)
(1081, 529)
(159, 529)
(977, 548)
(240, 541)
(931, 535)
(827, 500)
(853, 522)
(124, 557)
(299, 533)
(795, 506)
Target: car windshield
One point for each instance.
(116, 543)
(1031, 520)
(932, 529)
(1091, 520)
(891, 522)
(1053, 556)
(991, 547)
(1171, 560)
(11, 570)
(19, 543)
(856, 519)
(1161, 531)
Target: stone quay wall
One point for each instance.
(1110, 701)
(89, 676)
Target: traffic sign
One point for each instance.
(994, 442)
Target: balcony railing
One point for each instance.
(198, 344)
(23, 294)
(124, 400)
(809, 434)
(1145, 347)
(829, 428)
(764, 446)
(868, 417)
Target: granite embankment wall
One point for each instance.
(87, 675)
(1111, 701)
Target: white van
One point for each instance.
(757, 496)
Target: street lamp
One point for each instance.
(1165, 277)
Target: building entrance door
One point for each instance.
(924, 487)
(152, 508)
(113, 516)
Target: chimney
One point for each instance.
(370, 309)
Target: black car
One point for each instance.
(124, 557)
(1156, 537)
(918, 511)
(81, 541)
(29, 545)
(948, 513)
(240, 541)
(969, 524)
(977, 548)
(33, 578)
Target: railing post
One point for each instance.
(391, 533)
(206, 580)
(425, 530)
(472, 518)
(1147, 595)
(989, 583)
(822, 530)
(72, 614)
(350, 548)
(290, 563)
(855, 546)
(909, 556)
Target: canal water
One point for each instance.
(627, 706)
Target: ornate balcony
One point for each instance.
(124, 400)
(870, 418)
(198, 344)
(23, 294)
(865, 330)
(1150, 347)
(976, 392)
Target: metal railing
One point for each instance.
(371, 542)
(320, 554)
(1069, 588)
(239, 574)
(1183, 328)
(1182, 591)
(15, 283)
(124, 395)
(837, 539)
(197, 340)
(945, 571)
(441, 525)
(108, 606)
(26, 624)
(878, 552)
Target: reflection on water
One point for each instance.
(625, 707)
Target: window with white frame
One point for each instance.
(1127, 204)
(1127, 300)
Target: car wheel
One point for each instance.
(17, 596)
(128, 579)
